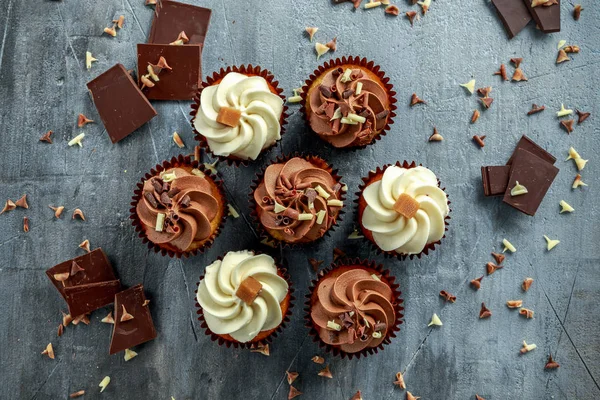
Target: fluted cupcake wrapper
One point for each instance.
(248, 70)
(282, 272)
(367, 234)
(370, 266)
(264, 234)
(180, 161)
(359, 62)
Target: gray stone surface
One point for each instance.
(42, 87)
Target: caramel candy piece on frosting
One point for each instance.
(406, 206)
(249, 290)
(229, 116)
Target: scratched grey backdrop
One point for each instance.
(42, 87)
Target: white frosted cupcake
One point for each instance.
(244, 298)
(239, 113)
(402, 210)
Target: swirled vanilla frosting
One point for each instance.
(405, 210)
(241, 295)
(256, 112)
(179, 208)
(353, 310)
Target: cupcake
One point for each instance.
(402, 210)
(239, 113)
(297, 200)
(354, 308)
(349, 102)
(178, 207)
(244, 299)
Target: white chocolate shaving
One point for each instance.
(333, 325)
(320, 217)
(470, 86)
(425, 4)
(232, 211)
(551, 243)
(335, 203)
(565, 207)
(294, 99)
(168, 176)
(348, 121)
(518, 190)
(305, 217)
(346, 76)
(129, 354)
(321, 49)
(358, 88)
(435, 320)
(160, 222)
(573, 154)
(357, 118)
(89, 59)
(104, 383)
(563, 111)
(561, 43)
(528, 347)
(375, 277)
(279, 208)
(336, 114)
(322, 192)
(508, 246)
(355, 235)
(580, 162)
(197, 172)
(376, 335)
(77, 140)
(211, 167)
(372, 4)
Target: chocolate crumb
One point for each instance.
(535, 109)
(484, 312)
(46, 137)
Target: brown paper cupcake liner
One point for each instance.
(387, 277)
(360, 62)
(263, 233)
(137, 195)
(216, 77)
(368, 237)
(282, 272)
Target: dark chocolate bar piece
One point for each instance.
(171, 18)
(495, 179)
(181, 82)
(83, 299)
(95, 265)
(547, 18)
(121, 105)
(137, 330)
(514, 15)
(533, 172)
(526, 143)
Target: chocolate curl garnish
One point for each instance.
(150, 198)
(267, 200)
(278, 219)
(291, 213)
(185, 201)
(356, 74)
(329, 109)
(165, 199)
(337, 72)
(325, 91)
(46, 137)
(479, 140)
(346, 320)
(382, 114)
(173, 192)
(285, 220)
(335, 128)
(380, 326)
(336, 188)
(157, 185)
(166, 186)
(347, 93)
(288, 231)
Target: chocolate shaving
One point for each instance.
(85, 245)
(410, 396)
(46, 137)
(337, 254)
(357, 396)
(416, 100)
(411, 16)
(535, 109)
(22, 202)
(325, 91)
(479, 140)
(60, 330)
(568, 125)
(25, 224)
(318, 360)
(315, 264)
(325, 373)
(66, 319)
(10, 205)
(82, 120)
(264, 350)
(108, 319)
(293, 393)
(516, 61)
(476, 283)
(527, 284)
(185, 201)
(582, 116)
(475, 116)
(158, 185)
(400, 381)
(577, 12)
(448, 296)
(380, 326)
(173, 192)
(57, 211)
(487, 102)
(77, 394)
(49, 351)
(151, 199)
(76, 268)
(392, 10)
(347, 93)
(502, 72)
(77, 213)
(527, 313)
(551, 364)
(499, 257)
(491, 267)
(435, 136)
(484, 312)
(562, 56)
(332, 44)
(165, 199)
(518, 75)
(291, 377)
(478, 397)
(337, 72)
(484, 92)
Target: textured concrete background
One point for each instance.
(42, 87)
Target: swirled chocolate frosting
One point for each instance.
(184, 202)
(348, 109)
(353, 311)
(297, 201)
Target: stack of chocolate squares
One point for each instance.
(88, 283)
(169, 67)
(524, 180)
(516, 14)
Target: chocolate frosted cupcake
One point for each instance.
(348, 102)
(354, 308)
(244, 299)
(178, 207)
(239, 113)
(402, 210)
(297, 200)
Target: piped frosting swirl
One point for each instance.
(348, 107)
(184, 202)
(390, 229)
(297, 200)
(227, 314)
(354, 310)
(260, 111)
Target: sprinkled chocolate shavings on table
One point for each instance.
(484, 312)
(293, 393)
(535, 109)
(448, 296)
(46, 137)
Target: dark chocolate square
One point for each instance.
(179, 83)
(121, 105)
(83, 299)
(514, 15)
(495, 179)
(96, 267)
(138, 330)
(526, 143)
(171, 17)
(547, 18)
(533, 172)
